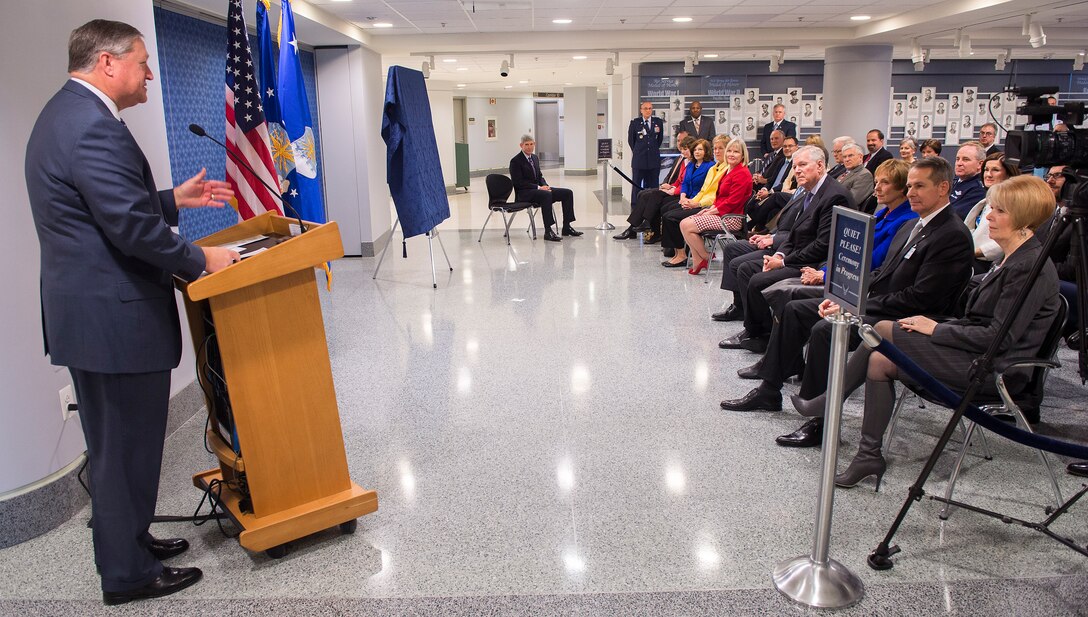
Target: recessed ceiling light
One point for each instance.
(860, 18)
(568, 83)
(461, 85)
(449, 60)
(462, 68)
(681, 20)
(561, 21)
(710, 55)
(524, 81)
(507, 87)
(382, 24)
(579, 57)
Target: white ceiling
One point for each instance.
(480, 34)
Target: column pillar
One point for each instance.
(857, 91)
(580, 131)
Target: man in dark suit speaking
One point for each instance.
(644, 135)
(529, 185)
(108, 255)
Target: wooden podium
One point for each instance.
(275, 361)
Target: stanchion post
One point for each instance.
(816, 579)
(605, 225)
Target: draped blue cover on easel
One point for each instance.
(413, 171)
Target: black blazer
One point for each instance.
(771, 169)
(788, 128)
(645, 147)
(706, 127)
(107, 250)
(876, 159)
(523, 174)
(807, 242)
(926, 277)
(993, 302)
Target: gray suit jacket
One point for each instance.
(107, 250)
(706, 127)
(859, 182)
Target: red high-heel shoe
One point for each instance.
(698, 267)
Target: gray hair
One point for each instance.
(94, 37)
(853, 146)
(974, 146)
(838, 141)
(526, 137)
(812, 153)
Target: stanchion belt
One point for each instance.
(952, 400)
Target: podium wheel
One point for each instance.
(349, 527)
(277, 552)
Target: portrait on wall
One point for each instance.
(751, 96)
(492, 128)
(722, 119)
(676, 104)
(925, 129)
(737, 103)
(954, 107)
(819, 107)
(929, 99)
(952, 133)
(897, 112)
(940, 113)
(808, 114)
(995, 103)
(983, 116)
(749, 128)
(912, 101)
(1008, 122)
(793, 102)
(913, 115)
(911, 130)
(970, 94)
(734, 129)
(967, 125)
(765, 112)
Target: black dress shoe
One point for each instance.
(1079, 468)
(551, 236)
(755, 344)
(626, 234)
(165, 549)
(751, 372)
(759, 399)
(679, 264)
(570, 231)
(172, 580)
(734, 341)
(733, 313)
(810, 435)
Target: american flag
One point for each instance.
(247, 133)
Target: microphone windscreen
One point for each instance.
(197, 130)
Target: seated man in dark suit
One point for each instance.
(529, 185)
(924, 273)
(805, 245)
(874, 141)
(776, 193)
(968, 188)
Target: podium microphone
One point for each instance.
(199, 131)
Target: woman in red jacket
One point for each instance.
(727, 213)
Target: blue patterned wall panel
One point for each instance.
(191, 65)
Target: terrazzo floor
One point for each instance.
(544, 435)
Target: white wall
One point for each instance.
(440, 94)
(581, 129)
(515, 117)
(34, 441)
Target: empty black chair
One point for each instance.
(499, 188)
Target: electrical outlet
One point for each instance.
(67, 397)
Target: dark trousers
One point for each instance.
(646, 210)
(814, 381)
(124, 424)
(644, 179)
(760, 213)
(545, 199)
(734, 255)
(784, 355)
(751, 281)
(671, 215)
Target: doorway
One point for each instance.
(546, 119)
